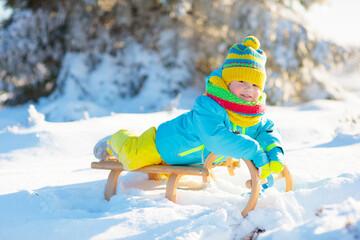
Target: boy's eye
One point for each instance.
(241, 81)
(255, 86)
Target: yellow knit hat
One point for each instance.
(245, 62)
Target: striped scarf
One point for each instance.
(242, 113)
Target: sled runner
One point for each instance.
(205, 171)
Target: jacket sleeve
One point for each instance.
(209, 119)
(276, 154)
(269, 137)
(270, 141)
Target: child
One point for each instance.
(229, 120)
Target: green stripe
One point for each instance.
(227, 95)
(217, 160)
(237, 48)
(271, 146)
(199, 148)
(228, 65)
(243, 131)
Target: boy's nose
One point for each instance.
(247, 86)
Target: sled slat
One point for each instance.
(165, 169)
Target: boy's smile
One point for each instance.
(245, 91)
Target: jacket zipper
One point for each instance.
(242, 132)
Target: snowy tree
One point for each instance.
(35, 44)
(31, 50)
(105, 51)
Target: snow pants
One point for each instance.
(134, 151)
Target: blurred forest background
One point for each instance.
(101, 52)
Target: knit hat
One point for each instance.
(245, 62)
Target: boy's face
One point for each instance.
(245, 91)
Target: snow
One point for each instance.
(49, 191)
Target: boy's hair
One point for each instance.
(245, 62)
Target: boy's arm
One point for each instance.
(209, 117)
(269, 139)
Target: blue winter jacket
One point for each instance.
(189, 138)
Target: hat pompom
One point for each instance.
(252, 41)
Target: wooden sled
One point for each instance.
(177, 171)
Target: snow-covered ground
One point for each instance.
(49, 191)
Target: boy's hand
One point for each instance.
(272, 167)
(265, 171)
(276, 166)
(276, 157)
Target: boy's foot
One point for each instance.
(100, 151)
